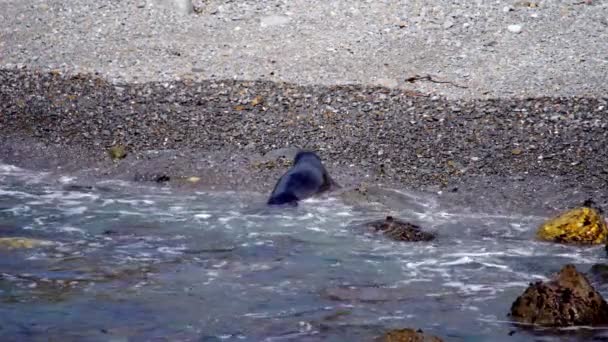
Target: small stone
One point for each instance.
(177, 6)
(516, 151)
(257, 101)
(274, 20)
(514, 28)
(387, 82)
(162, 179)
(117, 152)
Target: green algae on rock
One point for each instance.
(567, 300)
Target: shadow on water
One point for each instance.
(123, 261)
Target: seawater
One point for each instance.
(132, 262)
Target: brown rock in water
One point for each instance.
(567, 300)
(400, 230)
(408, 335)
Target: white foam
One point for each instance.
(74, 211)
(172, 250)
(10, 169)
(18, 210)
(69, 229)
(66, 179)
(17, 194)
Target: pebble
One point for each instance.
(514, 28)
(274, 20)
(418, 134)
(177, 6)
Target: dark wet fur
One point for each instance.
(307, 177)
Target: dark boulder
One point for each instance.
(567, 300)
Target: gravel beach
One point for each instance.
(401, 93)
(470, 49)
(233, 134)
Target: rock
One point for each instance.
(117, 152)
(274, 20)
(21, 243)
(583, 225)
(258, 100)
(528, 4)
(400, 230)
(567, 300)
(162, 179)
(177, 6)
(193, 179)
(408, 335)
(514, 28)
(387, 82)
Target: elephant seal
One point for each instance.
(307, 177)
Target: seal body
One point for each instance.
(307, 177)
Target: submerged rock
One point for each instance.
(399, 230)
(583, 225)
(21, 243)
(567, 300)
(408, 335)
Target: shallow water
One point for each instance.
(130, 262)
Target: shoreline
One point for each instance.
(232, 133)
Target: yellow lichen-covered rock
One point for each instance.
(20, 242)
(117, 152)
(584, 225)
